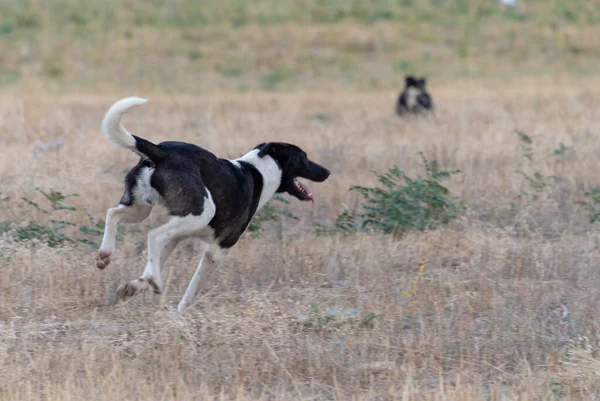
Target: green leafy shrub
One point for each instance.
(591, 202)
(401, 203)
(345, 222)
(405, 203)
(538, 182)
(52, 233)
(55, 198)
(270, 214)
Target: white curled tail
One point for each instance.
(111, 125)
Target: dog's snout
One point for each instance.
(317, 172)
(323, 174)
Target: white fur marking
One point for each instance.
(111, 125)
(270, 171)
(143, 192)
(235, 163)
(411, 97)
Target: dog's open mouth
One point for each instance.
(303, 191)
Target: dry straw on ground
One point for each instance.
(506, 308)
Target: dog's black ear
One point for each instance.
(264, 149)
(422, 82)
(410, 80)
(270, 148)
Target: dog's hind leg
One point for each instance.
(160, 240)
(122, 213)
(168, 250)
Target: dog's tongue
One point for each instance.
(306, 191)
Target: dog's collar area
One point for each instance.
(268, 168)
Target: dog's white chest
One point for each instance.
(411, 97)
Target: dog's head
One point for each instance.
(294, 164)
(412, 82)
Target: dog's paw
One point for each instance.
(136, 286)
(130, 289)
(103, 259)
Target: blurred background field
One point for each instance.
(497, 300)
(238, 45)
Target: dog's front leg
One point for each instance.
(126, 214)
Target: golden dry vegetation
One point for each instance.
(505, 308)
(500, 304)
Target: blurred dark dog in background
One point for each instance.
(414, 99)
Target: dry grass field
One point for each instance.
(505, 308)
(186, 46)
(500, 304)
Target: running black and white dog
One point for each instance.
(207, 197)
(414, 99)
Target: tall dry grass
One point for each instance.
(506, 308)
